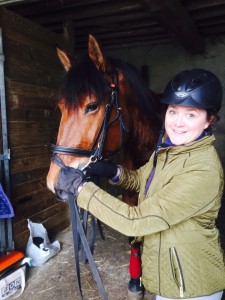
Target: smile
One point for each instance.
(179, 132)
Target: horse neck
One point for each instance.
(142, 137)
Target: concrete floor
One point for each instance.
(56, 278)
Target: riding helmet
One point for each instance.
(196, 88)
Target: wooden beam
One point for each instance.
(3, 2)
(128, 42)
(192, 5)
(217, 12)
(69, 35)
(210, 22)
(213, 29)
(92, 11)
(176, 21)
(117, 21)
(136, 44)
(50, 6)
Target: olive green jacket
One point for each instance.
(181, 253)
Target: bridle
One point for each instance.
(95, 152)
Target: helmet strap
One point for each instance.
(158, 145)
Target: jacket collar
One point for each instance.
(201, 141)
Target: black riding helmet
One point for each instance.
(196, 88)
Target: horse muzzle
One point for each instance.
(61, 195)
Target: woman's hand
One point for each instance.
(103, 168)
(69, 180)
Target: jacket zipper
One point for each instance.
(175, 264)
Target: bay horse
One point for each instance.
(105, 106)
(133, 122)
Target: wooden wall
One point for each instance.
(32, 76)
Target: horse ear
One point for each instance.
(65, 59)
(95, 54)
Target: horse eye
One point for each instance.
(91, 107)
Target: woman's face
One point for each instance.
(184, 124)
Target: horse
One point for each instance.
(104, 104)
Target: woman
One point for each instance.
(180, 191)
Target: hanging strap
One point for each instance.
(78, 232)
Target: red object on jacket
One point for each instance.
(135, 262)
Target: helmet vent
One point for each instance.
(196, 88)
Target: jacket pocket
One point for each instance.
(177, 271)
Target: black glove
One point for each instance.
(69, 180)
(103, 168)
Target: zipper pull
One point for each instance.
(140, 282)
(181, 292)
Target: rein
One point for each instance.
(92, 153)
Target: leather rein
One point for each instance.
(95, 153)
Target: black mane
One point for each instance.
(84, 78)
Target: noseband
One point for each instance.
(96, 154)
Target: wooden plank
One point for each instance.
(40, 70)
(19, 53)
(59, 209)
(19, 101)
(134, 27)
(209, 22)
(175, 19)
(107, 43)
(111, 22)
(30, 115)
(217, 12)
(43, 195)
(27, 188)
(32, 74)
(151, 32)
(29, 90)
(27, 32)
(102, 9)
(52, 5)
(29, 138)
(69, 34)
(28, 41)
(22, 128)
(213, 29)
(22, 152)
(29, 208)
(192, 5)
(30, 163)
(28, 176)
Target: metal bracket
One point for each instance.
(6, 155)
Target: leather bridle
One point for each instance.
(95, 152)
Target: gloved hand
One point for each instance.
(69, 180)
(103, 168)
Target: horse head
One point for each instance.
(85, 97)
